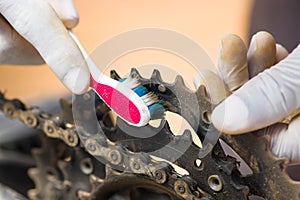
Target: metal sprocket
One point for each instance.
(67, 170)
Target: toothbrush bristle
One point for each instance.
(157, 110)
(122, 80)
(140, 90)
(130, 82)
(156, 107)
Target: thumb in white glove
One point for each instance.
(34, 31)
(266, 98)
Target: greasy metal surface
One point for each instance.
(269, 172)
(115, 160)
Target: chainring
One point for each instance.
(109, 162)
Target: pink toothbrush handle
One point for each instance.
(117, 101)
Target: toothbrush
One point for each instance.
(130, 101)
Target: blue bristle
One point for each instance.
(122, 80)
(140, 90)
(156, 110)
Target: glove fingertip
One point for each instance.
(281, 52)
(262, 53)
(70, 22)
(232, 64)
(66, 11)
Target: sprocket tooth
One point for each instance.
(33, 194)
(88, 195)
(202, 92)
(109, 171)
(84, 195)
(63, 167)
(179, 82)
(156, 76)
(96, 180)
(34, 174)
(269, 172)
(134, 73)
(114, 75)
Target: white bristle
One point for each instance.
(149, 98)
(131, 82)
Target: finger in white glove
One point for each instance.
(262, 101)
(66, 12)
(281, 52)
(232, 62)
(14, 49)
(262, 53)
(38, 23)
(285, 139)
(236, 65)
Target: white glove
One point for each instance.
(266, 98)
(34, 31)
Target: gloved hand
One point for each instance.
(34, 31)
(267, 97)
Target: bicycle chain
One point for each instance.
(217, 177)
(55, 127)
